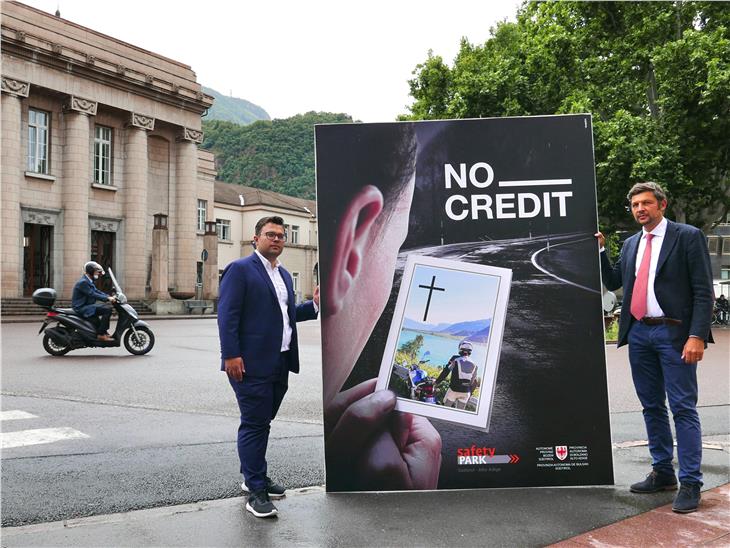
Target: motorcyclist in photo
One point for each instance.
(463, 377)
(84, 299)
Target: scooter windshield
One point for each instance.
(115, 282)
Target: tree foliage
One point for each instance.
(273, 155)
(655, 76)
(408, 353)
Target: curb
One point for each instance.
(151, 317)
(135, 515)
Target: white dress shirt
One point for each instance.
(653, 309)
(283, 297)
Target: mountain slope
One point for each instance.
(233, 109)
(273, 155)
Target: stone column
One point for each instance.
(160, 257)
(136, 168)
(210, 266)
(13, 91)
(186, 174)
(75, 189)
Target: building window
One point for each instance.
(726, 246)
(725, 273)
(712, 244)
(223, 228)
(295, 282)
(38, 132)
(202, 206)
(103, 155)
(294, 234)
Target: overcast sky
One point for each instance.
(295, 56)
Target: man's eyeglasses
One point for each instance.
(273, 236)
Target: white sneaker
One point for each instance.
(275, 491)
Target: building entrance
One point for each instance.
(37, 250)
(102, 252)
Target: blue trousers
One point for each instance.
(659, 373)
(259, 399)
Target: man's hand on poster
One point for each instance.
(382, 449)
(316, 295)
(601, 239)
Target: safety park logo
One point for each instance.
(474, 456)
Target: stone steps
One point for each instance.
(26, 307)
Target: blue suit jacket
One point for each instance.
(250, 324)
(682, 284)
(84, 297)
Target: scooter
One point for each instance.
(72, 331)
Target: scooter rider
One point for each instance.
(463, 377)
(84, 299)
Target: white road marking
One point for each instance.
(38, 436)
(14, 415)
(541, 269)
(537, 182)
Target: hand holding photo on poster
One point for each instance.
(444, 342)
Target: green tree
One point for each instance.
(411, 349)
(273, 155)
(655, 76)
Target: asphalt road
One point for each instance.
(160, 429)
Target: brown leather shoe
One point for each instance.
(105, 338)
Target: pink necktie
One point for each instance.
(638, 297)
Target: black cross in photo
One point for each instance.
(431, 288)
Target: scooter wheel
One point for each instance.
(141, 343)
(53, 348)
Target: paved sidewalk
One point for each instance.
(662, 527)
(492, 517)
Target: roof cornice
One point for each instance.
(32, 48)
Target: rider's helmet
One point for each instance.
(92, 267)
(465, 346)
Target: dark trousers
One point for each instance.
(659, 373)
(259, 399)
(101, 318)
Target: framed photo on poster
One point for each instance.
(442, 352)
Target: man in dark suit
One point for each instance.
(257, 319)
(84, 297)
(667, 279)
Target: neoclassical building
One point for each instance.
(100, 161)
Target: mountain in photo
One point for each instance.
(475, 331)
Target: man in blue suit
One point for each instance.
(84, 297)
(257, 325)
(667, 279)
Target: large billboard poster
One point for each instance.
(462, 329)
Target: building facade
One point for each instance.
(718, 242)
(237, 210)
(100, 161)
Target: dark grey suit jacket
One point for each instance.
(682, 285)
